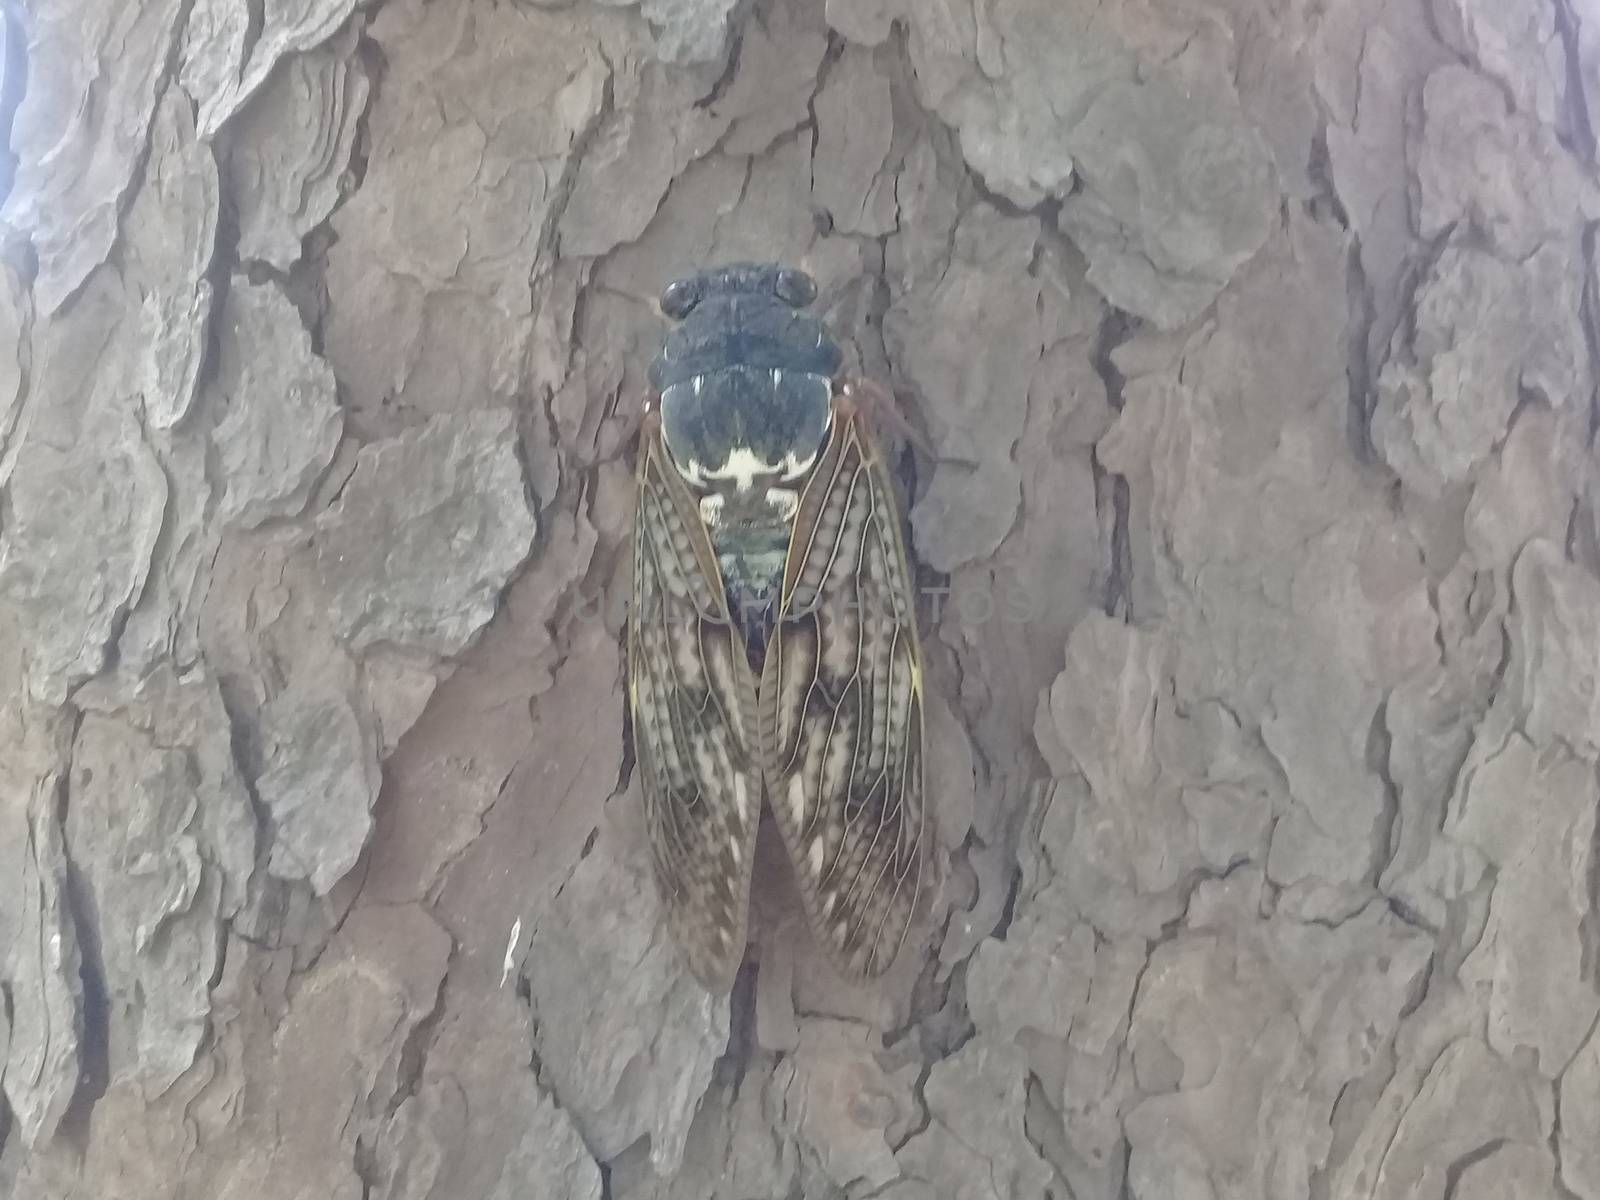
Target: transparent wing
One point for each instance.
(692, 698)
(841, 708)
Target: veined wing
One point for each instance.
(692, 698)
(841, 708)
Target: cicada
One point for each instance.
(773, 661)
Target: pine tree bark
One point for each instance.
(1250, 350)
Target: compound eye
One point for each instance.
(680, 298)
(794, 287)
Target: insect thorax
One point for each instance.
(744, 440)
(746, 399)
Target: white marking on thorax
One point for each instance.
(742, 467)
(785, 500)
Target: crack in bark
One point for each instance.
(94, 1041)
(547, 246)
(1361, 316)
(1589, 923)
(1386, 828)
(1111, 488)
(730, 66)
(414, 1050)
(1556, 1126)
(830, 56)
(1034, 1098)
(1583, 133)
(436, 885)
(311, 269)
(1472, 1158)
(8, 1120)
(1589, 311)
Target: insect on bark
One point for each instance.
(772, 643)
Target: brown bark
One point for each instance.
(1250, 348)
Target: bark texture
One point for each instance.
(1252, 346)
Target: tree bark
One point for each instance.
(1249, 346)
